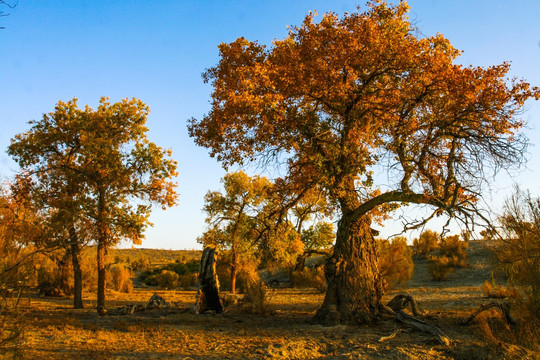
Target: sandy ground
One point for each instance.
(53, 330)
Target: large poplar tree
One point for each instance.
(98, 166)
(341, 97)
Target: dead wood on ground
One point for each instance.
(395, 307)
(504, 307)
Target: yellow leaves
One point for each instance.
(101, 160)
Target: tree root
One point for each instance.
(399, 302)
(391, 336)
(395, 308)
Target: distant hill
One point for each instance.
(155, 256)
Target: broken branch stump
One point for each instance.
(208, 284)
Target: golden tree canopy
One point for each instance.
(338, 97)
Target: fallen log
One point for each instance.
(423, 326)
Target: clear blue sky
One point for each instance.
(157, 50)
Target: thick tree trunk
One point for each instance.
(355, 286)
(208, 283)
(77, 273)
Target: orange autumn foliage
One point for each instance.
(340, 97)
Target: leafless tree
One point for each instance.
(10, 5)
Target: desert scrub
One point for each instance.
(152, 277)
(167, 280)
(426, 243)
(395, 261)
(454, 248)
(54, 275)
(309, 278)
(188, 281)
(518, 255)
(492, 290)
(257, 293)
(440, 267)
(119, 278)
(450, 252)
(140, 264)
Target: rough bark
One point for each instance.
(77, 273)
(355, 286)
(208, 284)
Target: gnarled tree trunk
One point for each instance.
(355, 286)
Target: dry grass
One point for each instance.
(55, 331)
(497, 291)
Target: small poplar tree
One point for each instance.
(99, 166)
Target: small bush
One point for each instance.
(427, 242)
(447, 253)
(89, 270)
(256, 297)
(309, 278)
(52, 279)
(167, 279)
(454, 248)
(153, 277)
(495, 291)
(440, 267)
(492, 326)
(519, 256)
(142, 263)
(119, 278)
(395, 261)
(183, 268)
(188, 281)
